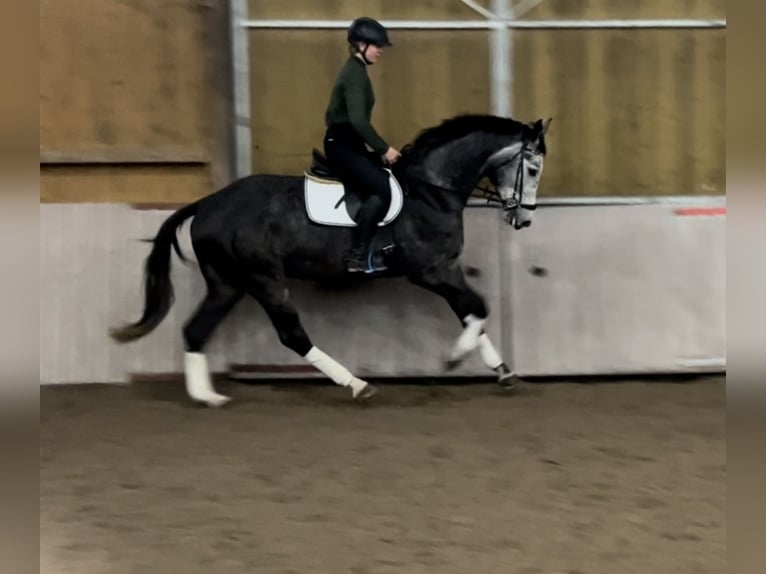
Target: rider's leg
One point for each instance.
(373, 186)
(359, 171)
(372, 211)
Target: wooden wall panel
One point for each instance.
(625, 9)
(122, 74)
(124, 184)
(454, 9)
(423, 79)
(350, 9)
(643, 111)
(636, 112)
(132, 79)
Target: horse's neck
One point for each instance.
(449, 174)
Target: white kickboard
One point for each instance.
(323, 195)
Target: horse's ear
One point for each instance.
(546, 125)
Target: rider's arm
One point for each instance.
(356, 96)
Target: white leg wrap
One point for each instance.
(334, 370)
(488, 353)
(198, 384)
(469, 338)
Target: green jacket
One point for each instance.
(351, 102)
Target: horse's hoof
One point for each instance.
(218, 401)
(366, 393)
(508, 382)
(451, 363)
(214, 400)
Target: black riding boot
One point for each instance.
(359, 259)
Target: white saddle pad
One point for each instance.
(323, 196)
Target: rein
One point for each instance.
(492, 195)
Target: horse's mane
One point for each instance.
(451, 129)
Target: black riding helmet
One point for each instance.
(369, 31)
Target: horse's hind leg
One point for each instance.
(273, 295)
(471, 309)
(218, 301)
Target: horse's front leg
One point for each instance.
(471, 309)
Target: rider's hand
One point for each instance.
(391, 156)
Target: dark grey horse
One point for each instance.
(253, 234)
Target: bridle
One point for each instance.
(516, 200)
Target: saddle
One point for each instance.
(328, 202)
(321, 168)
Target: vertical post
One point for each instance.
(500, 70)
(500, 50)
(243, 148)
(218, 73)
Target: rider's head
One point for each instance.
(367, 37)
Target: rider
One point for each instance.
(348, 130)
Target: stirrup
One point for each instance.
(355, 261)
(373, 263)
(376, 262)
(356, 266)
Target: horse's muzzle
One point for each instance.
(518, 218)
(522, 224)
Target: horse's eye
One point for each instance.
(533, 171)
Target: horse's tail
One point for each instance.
(158, 289)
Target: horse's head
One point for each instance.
(516, 170)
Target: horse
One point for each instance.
(252, 235)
